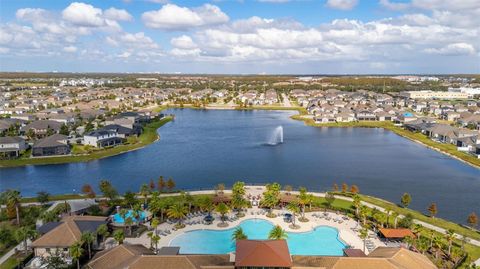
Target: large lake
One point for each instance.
(202, 148)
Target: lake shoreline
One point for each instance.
(105, 153)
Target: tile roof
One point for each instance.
(262, 253)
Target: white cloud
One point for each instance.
(342, 4)
(183, 42)
(173, 17)
(394, 5)
(82, 14)
(453, 49)
(70, 49)
(118, 14)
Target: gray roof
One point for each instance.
(10, 139)
(50, 141)
(43, 124)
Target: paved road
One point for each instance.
(286, 101)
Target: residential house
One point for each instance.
(42, 128)
(58, 237)
(102, 138)
(11, 146)
(56, 144)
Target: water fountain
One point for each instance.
(276, 137)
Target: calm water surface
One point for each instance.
(202, 148)
(323, 240)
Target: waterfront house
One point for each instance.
(11, 147)
(123, 131)
(42, 128)
(365, 115)
(102, 138)
(56, 144)
(57, 237)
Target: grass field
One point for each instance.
(148, 136)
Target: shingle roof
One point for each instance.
(68, 232)
(10, 139)
(51, 141)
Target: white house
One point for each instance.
(102, 138)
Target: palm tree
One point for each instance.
(363, 236)
(238, 203)
(238, 234)
(76, 251)
(23, 234)
(102, 230)
(395, 218)
(206, 204)
(222, 209)
(450, 235)
(303, 199)
(119, 236)
(155, 238)
(88, 238)
(154, 223)
(293, 207)
(357, 203)
(437, 243)
(13, 198)
(123, 214)
(145, 191)
(363, 214)
(129, 223)
(177, 211)
(277, 233)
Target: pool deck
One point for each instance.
(346, 232)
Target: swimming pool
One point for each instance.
(323, 240)
(118, 219)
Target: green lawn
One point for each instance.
(417, 215)
(147, 137)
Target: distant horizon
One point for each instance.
(243, 74)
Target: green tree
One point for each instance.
(23, 234)
(277, 233)
(206, 204)
(88, 238)
(295, 209)
(13, 199)
(271, 196)
(303, 200)
(406, 199)
(64, 129)
(119, 236)
(130, 198)
(238, 234)
(76, 252)
(356, 203)
(108, 190)
(222, 209)
(329, 198)
(43, 197)
(364, 236)
(49, 216)
(395, 215)
(177, 211)
(450, 236)
(145, 192)
(102, 230)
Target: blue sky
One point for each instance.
(245, 37)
